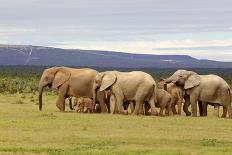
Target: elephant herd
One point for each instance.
(136, 92)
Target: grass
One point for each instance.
(25, 130)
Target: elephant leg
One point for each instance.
(119, 103)
(103, 107)
(161, 113)
(200, 108)
(141, 109)
(108, 107)
(186, 105)
(137, 106)
(205, 108)
(132, 106)
(101, 100)
(112, 104)
(60, 103)
(85, 110)
(193, 101)
(216, 110)
(174, 106)
(81, 108)
(169, 109)
(152, 104)
(174, 109)
(179, 104)
(224, 112)
(166, 111)
(229, 109)
(147, 107)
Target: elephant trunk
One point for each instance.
(40, 96)
(168, 80)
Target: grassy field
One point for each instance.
(25, 130)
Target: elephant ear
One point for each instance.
(61, 77)
(107, 81)
(192, 81)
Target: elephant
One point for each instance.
(84, 104)
(135, 86)
(164, 102)
(204, 88)
(203, 108)
(177, 94)
(70, 82)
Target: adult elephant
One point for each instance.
(70, 82)
(204, 88)
(127, 86)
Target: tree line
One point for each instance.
(24, 79)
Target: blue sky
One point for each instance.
(200, 28)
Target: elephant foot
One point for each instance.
(223, 116)
(154, 112)
(161, 115)
(133, 114)
(174, 112)
(61, 109)
(125, 112)
(188, 114)
(202, 116)
(103, 110)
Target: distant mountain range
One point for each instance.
(47, 56)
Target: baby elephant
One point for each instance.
(164, 102)
(83, 104)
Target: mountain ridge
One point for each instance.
(49, 56)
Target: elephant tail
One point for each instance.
(230, 92)
(155, 89)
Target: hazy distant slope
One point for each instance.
(35, 55)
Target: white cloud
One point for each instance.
(141, 46)
(5, 30)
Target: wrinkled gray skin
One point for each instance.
(204, 88)
(70, 82)
(127, 86)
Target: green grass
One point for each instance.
(25, 130)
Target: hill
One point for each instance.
(47, 56)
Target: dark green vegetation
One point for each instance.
(25, 130)
(24, 79)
